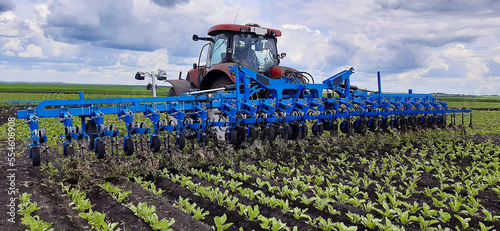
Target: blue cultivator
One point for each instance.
(254, 107)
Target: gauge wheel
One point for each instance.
(100, 149)
(35, 155)
(128, 148)
(155, 144)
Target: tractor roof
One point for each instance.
(247, 28)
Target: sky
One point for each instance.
(426, 45)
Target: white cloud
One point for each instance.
(32, 51)
(13, 45)
(415, 45)
(11, 25)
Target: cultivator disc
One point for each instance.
(292, 110)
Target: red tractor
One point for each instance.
(247, 45)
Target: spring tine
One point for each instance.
(46, 155)
(470, 117)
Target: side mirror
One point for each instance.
(195, 65)
(162, 75)
(195, 37)
(282, 56)
(139, 76)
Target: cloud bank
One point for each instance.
(429, 46)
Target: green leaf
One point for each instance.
(484, 227)
(219, 222)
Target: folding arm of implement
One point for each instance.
(239, 112)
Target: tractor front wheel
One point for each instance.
(221, 81)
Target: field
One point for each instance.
(423, 179)
(73, 88)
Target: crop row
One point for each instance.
(26, 207)
(390, 177)
(96, 220)
(142, 210)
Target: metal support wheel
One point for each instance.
(373, 124)
(272, 133)
(304, 130)
(360, 126)
(35, 155)
(69, 150)
(296, 132)
(317, 129)
(252, 135)
(345, 127)
(385, 124)
(442, 121)
(100, 149)
(42, 134)
(404, 123)
(268, 133)
(286, 132)
(180, 141)
(90, 129)
(155, 144)
(128, 147)
(203, 141)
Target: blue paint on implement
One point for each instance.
(289, 104)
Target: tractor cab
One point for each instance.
(253, 48)
(247, 45)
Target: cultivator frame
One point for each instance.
(234, 111)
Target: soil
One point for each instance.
(54, 206)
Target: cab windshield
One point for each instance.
(218, 50)
(255, 52)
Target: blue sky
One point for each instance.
(429, 45)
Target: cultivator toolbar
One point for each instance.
(255, 107)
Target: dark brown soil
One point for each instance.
(55, 208)
(53, 205)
